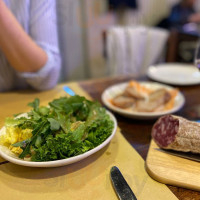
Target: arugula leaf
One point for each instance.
(21, 144)
(34, 115)
(38, 141)
(64, 121)
(44, 110)
(35, 104)
(54, 124)
(26, 150)
(77, 131)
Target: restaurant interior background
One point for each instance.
(82, 23)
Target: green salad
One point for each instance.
(69, 126)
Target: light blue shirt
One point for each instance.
(38, 18)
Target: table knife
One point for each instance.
(120, 185)
(186, 155)
(68, 90)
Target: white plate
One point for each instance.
(8, 155)
(117, 89)
(175, 74)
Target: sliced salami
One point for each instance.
(177, 133)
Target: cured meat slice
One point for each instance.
(176, 133)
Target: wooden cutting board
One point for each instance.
(172, 170)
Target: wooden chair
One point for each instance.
(174, 48)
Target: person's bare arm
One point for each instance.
(20, 50)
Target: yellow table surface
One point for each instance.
(86, 179)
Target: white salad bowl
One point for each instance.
(8, 155)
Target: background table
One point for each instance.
(137, 132)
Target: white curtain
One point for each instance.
(71, 39)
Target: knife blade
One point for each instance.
(120, 185)
(186, 155)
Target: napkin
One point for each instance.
(86, 179)
(117, 62)
(132, 49)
